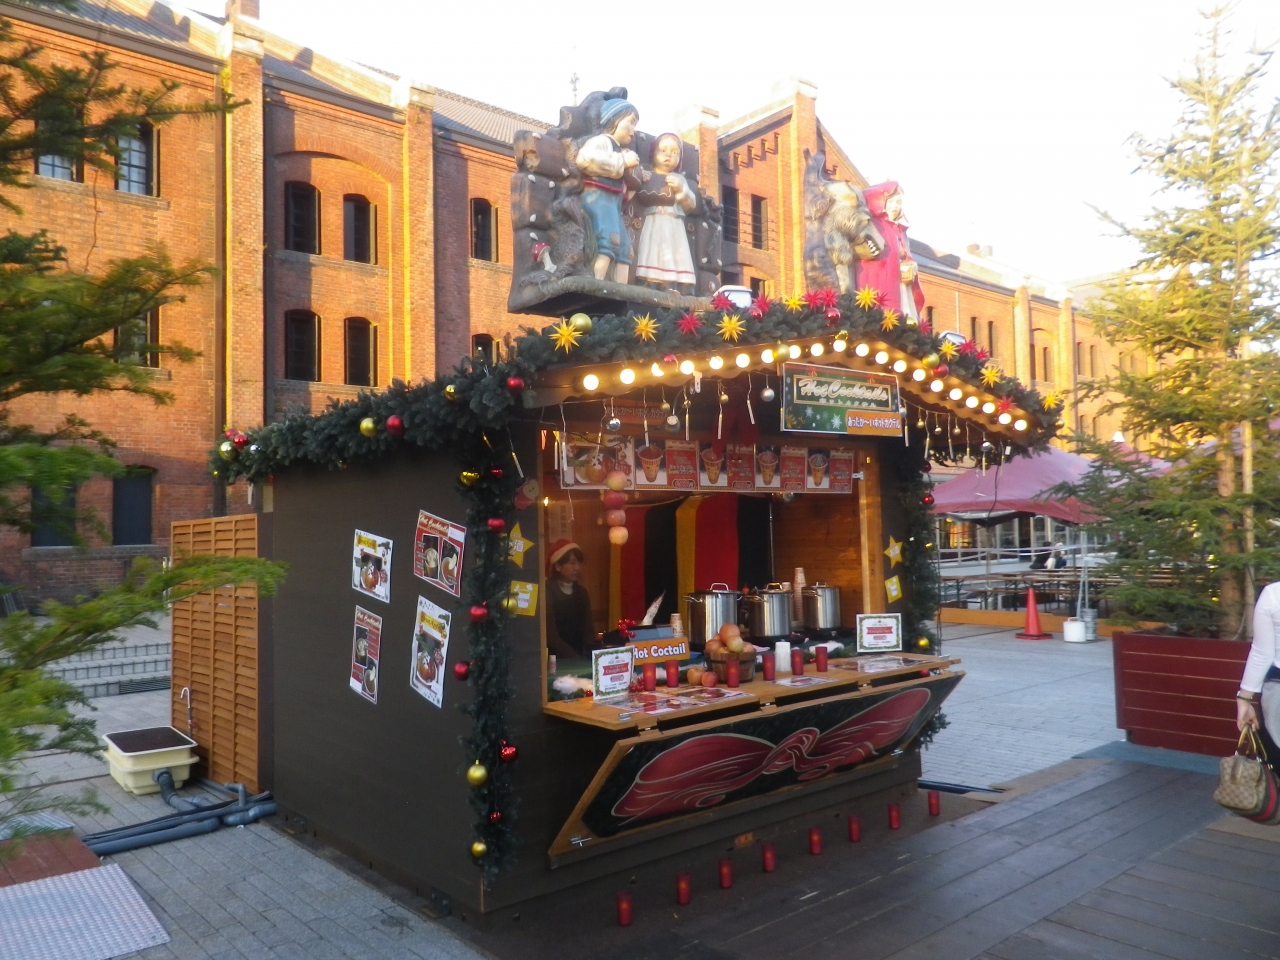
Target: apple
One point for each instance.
(714, 645)
(694, 675)
(709, 679)
(734, 644)
(728, 630)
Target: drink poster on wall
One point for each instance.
(366, 646)
(587, 462)
(430, 650)
(711, 472)
(438, 549)
(818, 474)
(879, 632)
(682, 464)
(740, 459)
(842, 468)
(795, 468)
(818, 399)
(767, 474)
(371, 565)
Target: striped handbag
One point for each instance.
(1246, 783)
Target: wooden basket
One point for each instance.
(746, 665)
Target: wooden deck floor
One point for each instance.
(1115, 863)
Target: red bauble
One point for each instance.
(479, 613)
(833, 315)
(462, 670)
(496, 524)
(927, 466)
(395, 425)
(941, 370)
(230, 433)
(508, 753)
(927, 499)
(614, 499)
(240, 441)
(515, 384)
(495, 472)
(495, 817)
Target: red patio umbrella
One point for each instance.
(1016, 487)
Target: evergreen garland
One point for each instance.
(473, 425)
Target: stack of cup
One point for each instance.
(798, 583)
(782, 656)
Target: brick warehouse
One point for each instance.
(359, 224)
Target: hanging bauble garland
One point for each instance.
(369, 427)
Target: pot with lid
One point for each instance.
(706, 611)
(821, 603)
(768, 612)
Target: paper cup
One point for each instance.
(711, 463)
(768, 461)
(817, 468)
(650, 462)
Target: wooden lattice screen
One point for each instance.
(215, 653)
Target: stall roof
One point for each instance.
(1016, 487)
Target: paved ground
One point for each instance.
(1023, 705)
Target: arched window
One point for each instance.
(361, 352)
(301, 345)
(484, 238)
(358, 229)
(301, 217)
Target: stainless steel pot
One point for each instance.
(706, 611)
(821, 603)
(768, 612)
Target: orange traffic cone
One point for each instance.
(1032, 630)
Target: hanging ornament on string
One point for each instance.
(614, 423)
(478, 849)
(767, 394)
(477, 774)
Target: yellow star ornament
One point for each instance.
(990, 375)
(730, 327)
(894, 553)
(948, 350)
(1052, 401)
(518, 546)
(794, 304)
(890, 320)
(867, 297)
(565, 336)
(646, 328)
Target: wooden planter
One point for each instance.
(1178, 692)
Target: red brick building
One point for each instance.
(360, 226)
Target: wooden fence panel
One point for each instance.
(215, 653)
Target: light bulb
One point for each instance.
(899, 366)
(840, 346)
(793, 351)
(970, 402)
(656, 370)
(1005, 417)
(862, 349)
(956, 393)
(1019, 424)
(686, 367)
(882, 357)
(590, 381)
(988, 407)
(766, 356)
(715, 363)
(936, 386)
(817, 349)
(627, 375)
(742, 360)
(918, 374)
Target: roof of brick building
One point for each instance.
(471, 117)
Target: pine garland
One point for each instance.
(473, 425)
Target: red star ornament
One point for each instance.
(689, 323)
(968, 348)
(721, 302)
(982, 354)
(760, 306)
(1004, 406)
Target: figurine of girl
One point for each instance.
(894, 273)
(604, 161)
(662, 255)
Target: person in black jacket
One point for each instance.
(571, 631)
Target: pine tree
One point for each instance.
(58, 330)
(1197, 317)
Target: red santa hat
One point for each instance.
(559, 550)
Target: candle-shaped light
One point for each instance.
(797, 662)
(820, 659)
(855, 828)
(768, 858)
(731, 671)
(725, 872)
(684, 888)
(650, 673)
(895, 817)
(935, 803)
(673, 673)
(815, 841)
(624, 908)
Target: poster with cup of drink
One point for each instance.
(711, 471)
(818, 475)
(768, 476)
(366, 647)
(651, 461)
(794, 463)
(740, 459)
(682, 464)
(841, 469)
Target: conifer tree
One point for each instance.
(1195, 322)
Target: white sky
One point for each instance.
(1002, 120)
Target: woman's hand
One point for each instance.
(1246, 715)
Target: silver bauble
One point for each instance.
(767, 395)
(613, 424)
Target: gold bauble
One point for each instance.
(477, 774)
(227, 450)
(469, 477)
(450, 392)
(478, 849)
(931, 361)
(581, 322)
(923, 643)
(369, 427)
(510, 604)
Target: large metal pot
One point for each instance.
(706, 611)
(821, 606)
(768, 612)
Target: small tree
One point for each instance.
(1197, 315)
(56, 336)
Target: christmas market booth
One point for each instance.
(644, 579)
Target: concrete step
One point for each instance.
(122, 650)
(111, 669)
(115, 688)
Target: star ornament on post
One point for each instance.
(646, 328)
(730, 327)
(1052, 401)
(867, 297)
(565, 336)
(948, 349)
(894, 553)
(890, 320)
(689, 323)
(990, 375)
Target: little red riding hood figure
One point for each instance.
(893, 274)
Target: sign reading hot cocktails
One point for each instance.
(835, 400)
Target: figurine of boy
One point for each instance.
(604, 160)
(662, 255)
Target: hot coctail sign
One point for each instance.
(835, 400)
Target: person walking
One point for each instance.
(1258, 699)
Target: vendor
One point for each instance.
(571, 631)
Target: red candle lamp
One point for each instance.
(731, 671)
(935, 803)
(684, 888)
(725, 873)
(768, 858)
(673, 673)
(815, 841)
(650, 673)
(797, 662)
(770, 665)
(624, 909)
(895, 817)
(855, 829)
(820, 655)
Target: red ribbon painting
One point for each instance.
(702, 771)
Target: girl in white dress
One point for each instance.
(662, 256)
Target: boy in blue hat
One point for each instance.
(604, 159)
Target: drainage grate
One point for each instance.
(88, 915)
(142, 686)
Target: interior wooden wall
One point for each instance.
(821, 534)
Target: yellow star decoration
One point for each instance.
(867, 297)
(894, 553)
(566, 337)
(948, 349)
(794, 304)
(990, 375)
(646, 328)
(890, 320)
(518, 546)
(730, 327)
(1052, 401)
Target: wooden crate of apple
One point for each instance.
(727, 645)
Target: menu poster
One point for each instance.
(879, 632)
(841, 468)
(795, 467)
(430, 649)
(741, 461)
(371, 566)
(652, 462)
(366, 643)
(768, 477)
(587, 462)
(438, 547)
(523, 598)
(611, 671)
(711, 472)
(818, 474)
(682, 464)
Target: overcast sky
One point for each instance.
(1003, 121)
